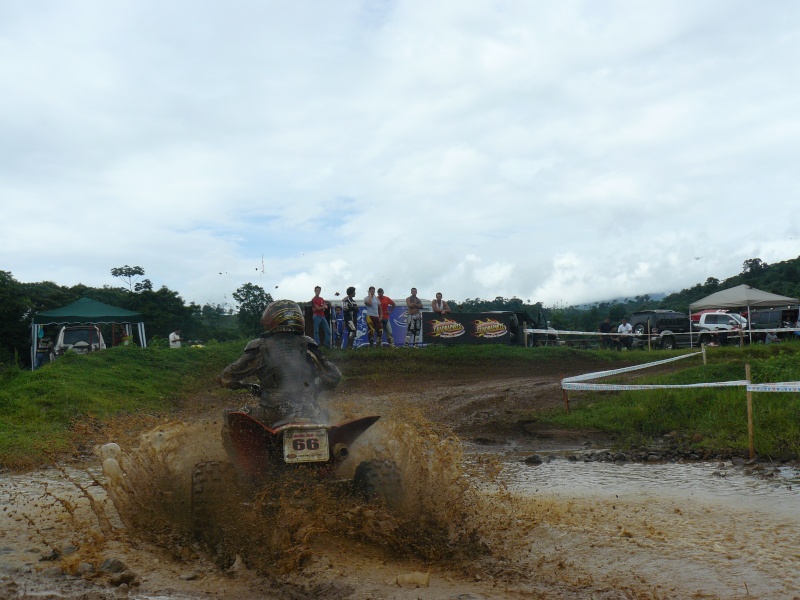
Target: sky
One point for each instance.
(560, 152)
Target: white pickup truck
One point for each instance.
(718, 327)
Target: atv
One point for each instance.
(260, 454)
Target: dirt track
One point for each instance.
(470, 537)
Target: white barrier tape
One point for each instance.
(733, 332)
(600, 374)
(614, 387)
(786, 386)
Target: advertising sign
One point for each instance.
(466, 328)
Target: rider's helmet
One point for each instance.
(283, 315)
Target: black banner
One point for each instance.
(467, 328)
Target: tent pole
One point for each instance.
(34, 340)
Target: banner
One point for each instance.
(466, 328)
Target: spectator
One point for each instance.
(175, 338)
(625, 330)
(771, 338)
(439, 306)
(413, 320)
(387, 306)
(350, 309)
(318, 308)
(338, 320)
(44, 352)
(373, 309)
(605, 330)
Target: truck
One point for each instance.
(79, 338)
(667, 329)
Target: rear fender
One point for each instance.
(256, 446)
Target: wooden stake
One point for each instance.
(566, 399)
(749, 413)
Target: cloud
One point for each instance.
(561, 153)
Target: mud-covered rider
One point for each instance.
(289, 365)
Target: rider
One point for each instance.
(289, 365)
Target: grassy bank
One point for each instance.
(45, 413)
(718, 415)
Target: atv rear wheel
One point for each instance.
(379, 479)
(213, 491)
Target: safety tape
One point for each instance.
(614, 387)
(694, 331)
(786, 386)
(600, 374)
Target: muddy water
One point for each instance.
(699, 530)
(558, 530)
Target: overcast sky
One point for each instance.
(562, 152)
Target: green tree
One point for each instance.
(128, 275)
(14, 308)
(252, 300)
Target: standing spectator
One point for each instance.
(175, 338)
(350, 309)
(625, 330)
(374, 326)
(439, 306)
(413, 320)
(605, 330)
(318, 307)
(387, 306)
(338, 334)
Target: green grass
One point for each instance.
(718, 414)
(39, 410)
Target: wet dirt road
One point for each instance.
(478, 523)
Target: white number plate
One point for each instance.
(305, 445)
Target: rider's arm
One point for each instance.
(245, 366)
(328, 373)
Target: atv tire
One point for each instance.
(213, 491)
(379, 480)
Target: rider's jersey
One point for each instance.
(286, 364)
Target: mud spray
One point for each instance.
(441, 517)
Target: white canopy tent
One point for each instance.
(742, 296)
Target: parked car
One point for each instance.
(718, 317)
(773, 318)
(79, 338)
(664, 326)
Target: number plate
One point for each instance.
(305, 445)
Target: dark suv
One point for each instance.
(662, 320)
(662, 325)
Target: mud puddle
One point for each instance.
(471, 526)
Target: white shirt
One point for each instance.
(624, 328)
(174, 340)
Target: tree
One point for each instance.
(252, 301)
(753, 266)
(143, 285)
(128, 274)
(14, 307)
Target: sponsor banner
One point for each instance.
(600, 374)
(466, 328)
(786, 386)
(614, 387)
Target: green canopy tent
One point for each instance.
(89, 311)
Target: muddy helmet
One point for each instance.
(283, 315)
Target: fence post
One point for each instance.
(749, 413)
(566, 398)
(704, 354)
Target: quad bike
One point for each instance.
(261, 454)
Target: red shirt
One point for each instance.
(385, 302)
(318, 306)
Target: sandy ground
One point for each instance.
(462, 534)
